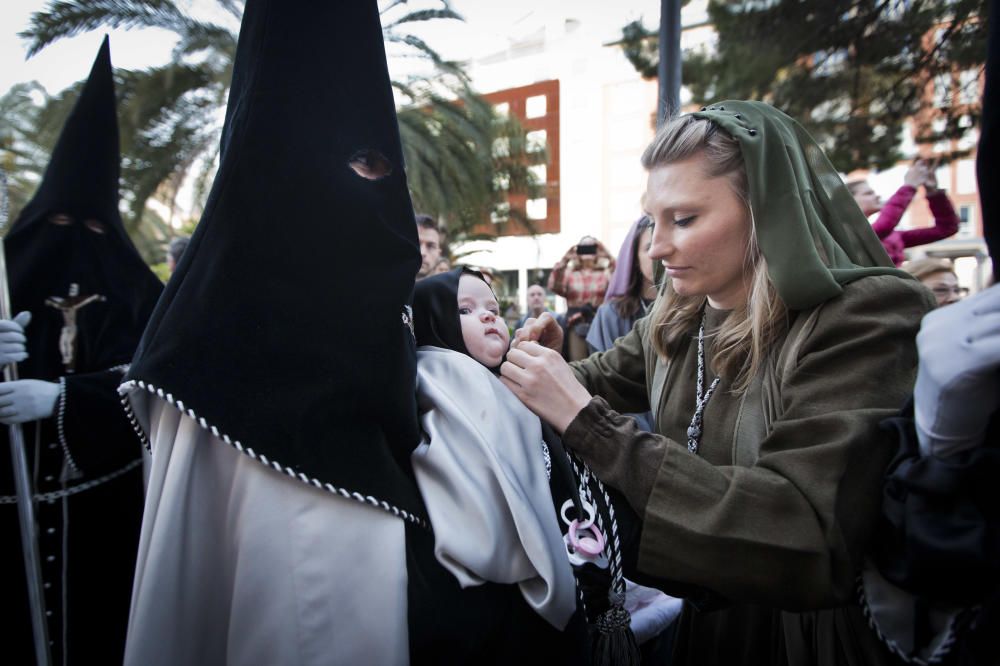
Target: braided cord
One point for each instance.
(612, 543)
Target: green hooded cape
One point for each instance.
(811, 232)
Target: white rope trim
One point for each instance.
(60, 427)
(73, 490)
(942, 650)
(127, 406)
(134, 384)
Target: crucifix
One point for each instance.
(69, 306)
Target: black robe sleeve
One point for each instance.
(92, 426)
(940, 535)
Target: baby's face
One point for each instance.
(484, 333)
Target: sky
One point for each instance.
(69, 60)
(489, 27)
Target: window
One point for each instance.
(968, 86)
(536, 140)
(501, 147)
(505, 287)
(539, 171)
(500, 213)
(501, 181)
(965, 217)
(537, 209)
(534, 107)
(942, 91)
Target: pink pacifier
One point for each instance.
(589, 546)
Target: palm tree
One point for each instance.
(22, 155)
(170, 115)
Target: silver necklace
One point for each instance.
(701, 397)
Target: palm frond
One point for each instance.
(425, 15)
(419, 45)
(234, 7)
(390, 6)
(66, 18)
(20, 155)
(198, 37)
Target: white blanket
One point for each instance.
(482, 475)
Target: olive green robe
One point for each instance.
(778, 527)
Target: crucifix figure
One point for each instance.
(68, 306)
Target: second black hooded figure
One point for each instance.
(73, 267)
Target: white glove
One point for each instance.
(27, 400)
(958, 384)
(12, 339)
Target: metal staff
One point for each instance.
(22, 479)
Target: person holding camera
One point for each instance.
(896, 241)
(581, 277)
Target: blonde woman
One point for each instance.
(939, 276)
(781, 338)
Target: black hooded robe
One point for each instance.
(86, 459)
(276, 384)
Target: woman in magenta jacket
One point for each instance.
(945, 219)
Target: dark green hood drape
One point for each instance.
(812, 234)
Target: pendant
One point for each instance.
(68, 306)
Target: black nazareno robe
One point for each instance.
(86, 459)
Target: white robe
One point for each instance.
(240, 564)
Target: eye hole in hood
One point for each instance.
(370, 164)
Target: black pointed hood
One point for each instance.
(71, 233)
(81, 177)
(285, 327)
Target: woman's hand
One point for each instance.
(544, 382)
(545, 330)
(930, 181)
(569, 257)
(916, 174)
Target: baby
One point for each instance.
(481, 467)
(494, 492)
